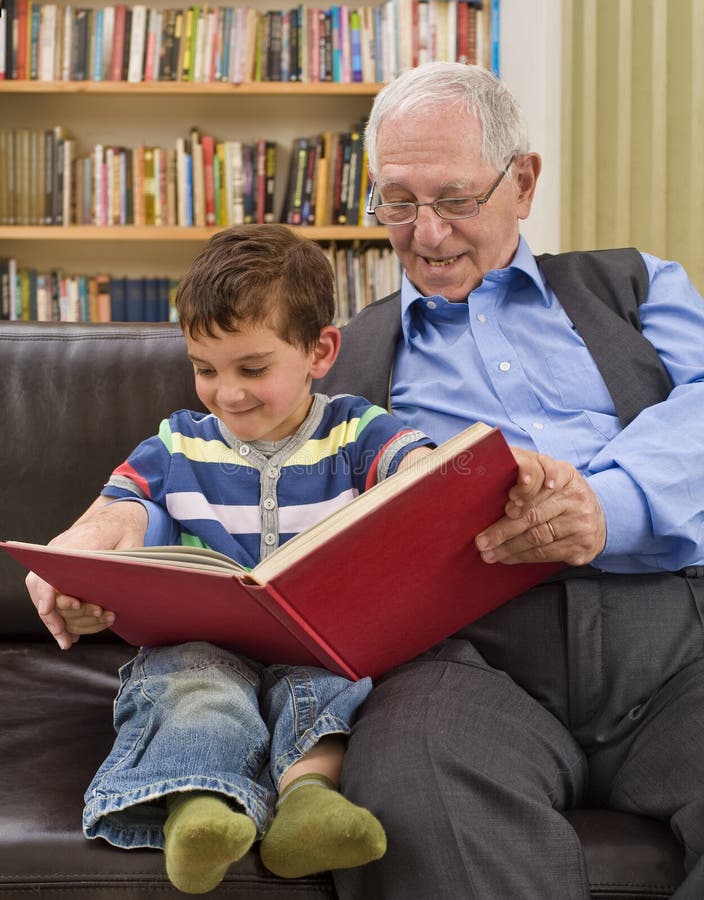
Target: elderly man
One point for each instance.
(590, 688)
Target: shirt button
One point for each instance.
(504, 366)
(272, 472)
(538, 426)
(270, 539)
(244, 449)
(431, 304)
(269, 503)
(481, 318)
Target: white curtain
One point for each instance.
(633, 128)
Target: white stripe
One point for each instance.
(188, 505)
(293, 519)
(193, 505)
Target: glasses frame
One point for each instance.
(480, 201)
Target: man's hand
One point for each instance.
(561, 521)
(104, 526)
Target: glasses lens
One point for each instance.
(395, 213)
(457, 208)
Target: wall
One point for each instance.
(531, 63)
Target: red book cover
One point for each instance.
(461, 51)
(369, 587)
(208, 144)
(21, 51)
(414, 26)
(118, 42)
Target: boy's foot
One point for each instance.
(203, 837)
(316, 829)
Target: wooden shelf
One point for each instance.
(170, 234)
(184, 88)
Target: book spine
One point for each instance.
(150, 300)
(159, 213)
(108, 39)
(495, 50)
(208, 145)
(148, 188)
(345, 45)
(166, 61)
(135, 299)
(198, 179)
(97, 42)
(236, 182)
(249, 178)
(138, 36)
(47, 43)
(66, 42)
(181, 182)
(3, 46)
(118, 45)
(275, 603)
(270, 180)
(171, 190)
(21, 47)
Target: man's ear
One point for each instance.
(325, 351)
(525, 175)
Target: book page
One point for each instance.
(201, 558)
(180, 555)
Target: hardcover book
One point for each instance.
(367, 588)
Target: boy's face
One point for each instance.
(253, 381)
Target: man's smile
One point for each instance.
(439, 263)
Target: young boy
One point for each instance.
(214, 750)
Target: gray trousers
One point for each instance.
(588, 691)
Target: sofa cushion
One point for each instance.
(75, 401)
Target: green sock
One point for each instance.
(315, 829)
(203, 837)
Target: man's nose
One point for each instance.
(429, 227)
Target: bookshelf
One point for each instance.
(128, 113)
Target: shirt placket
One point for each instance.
(502, 364)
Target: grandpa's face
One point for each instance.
(435, 153)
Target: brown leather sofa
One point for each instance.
(74, 399)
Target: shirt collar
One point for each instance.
(522, 266)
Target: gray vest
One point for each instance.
(600, 290)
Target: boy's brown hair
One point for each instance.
(259, 275)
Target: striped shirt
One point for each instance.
(245, 499)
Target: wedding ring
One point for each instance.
(551, 530)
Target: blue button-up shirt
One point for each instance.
(512, 358)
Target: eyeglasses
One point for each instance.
(447, 208)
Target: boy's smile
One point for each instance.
(254, 382)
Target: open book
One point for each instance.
(367, 588)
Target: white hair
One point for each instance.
(473, 89)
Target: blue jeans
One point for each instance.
(197, 717)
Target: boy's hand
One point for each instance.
(82, 618)
(104, 526)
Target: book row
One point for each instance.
(206, 43)
(363, 273)
(201, 181)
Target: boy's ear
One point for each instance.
(325, 351)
